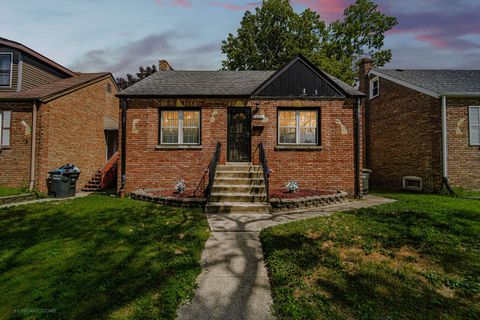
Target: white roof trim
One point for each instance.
(405, 84)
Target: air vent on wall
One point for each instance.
(412, 183)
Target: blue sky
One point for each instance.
(118, 36)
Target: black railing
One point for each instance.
(210, 174)
(266, 170)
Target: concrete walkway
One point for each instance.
(77, 195)
(234, 281)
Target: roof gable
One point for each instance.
(299, 78)
(36, 55)
(435, 83)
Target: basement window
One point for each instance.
(474, 125)
(374, 88)
(412, 183)
(5, 123)
(180, 127)
(298, 127)
(6, 61)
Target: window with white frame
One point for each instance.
(6, 60)
(5, 123)
(298, 127)
(180, 127)
(374, 88)
(474, 125)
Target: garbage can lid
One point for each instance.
(366, 170)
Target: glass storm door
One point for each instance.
(239, 134)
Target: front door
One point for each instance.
(238, 144)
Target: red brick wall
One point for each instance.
(72, 130)
(328, 169)
(404, 137)
(463, 159)
(15, 161)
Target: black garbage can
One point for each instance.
(365, 180)
(62, 184)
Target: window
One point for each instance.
(474, 125)
(180, 127)
(374, 88)
(6, 69)
(298, 127)
(5, 120)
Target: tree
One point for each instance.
(272, 35)
(141, 74)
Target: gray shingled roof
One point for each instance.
(198, 83)
(208, 83)
(439, 81)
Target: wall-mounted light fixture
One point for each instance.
(257, 106)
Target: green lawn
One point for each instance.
(98, 257)
(418, 258)
(5, 191)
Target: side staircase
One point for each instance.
(238, 188)
(105, 178)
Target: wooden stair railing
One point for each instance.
(105, 178)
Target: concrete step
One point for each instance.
(242, 168)
(238, 197)
(236, 181)
(238, 174)
(250, 189)
(237, 207)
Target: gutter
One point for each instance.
(445, 146)
(357, 155)
(34, 145)
(123, 106)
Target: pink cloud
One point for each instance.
(435, 41)
(176, 3)
(182, 3)
(235, 7)
(328, 9)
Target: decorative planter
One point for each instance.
(308, 202)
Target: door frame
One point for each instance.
(249, 132)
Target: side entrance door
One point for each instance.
(238, 137)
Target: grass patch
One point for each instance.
(98, 257)
(6, 191)
(417, 258)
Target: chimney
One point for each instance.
(163, 65)
(365, 65)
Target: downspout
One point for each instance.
(357, 156)
(123, 105)
(445, 146)
(34, 145)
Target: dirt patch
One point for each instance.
(313, 234)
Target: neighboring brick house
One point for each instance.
(305, 118)
(50, 115)
(422, 127)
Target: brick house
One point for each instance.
(50, 115)
(303, 118)
(422, 127)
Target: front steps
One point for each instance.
(238, 188)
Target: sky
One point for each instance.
(120, 35)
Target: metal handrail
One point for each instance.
(210, 173)
(266, 170)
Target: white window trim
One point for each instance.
(470, 108)
(181, 127)
(297, 128)
(371, 87)
(2, 128)
(11, 69)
